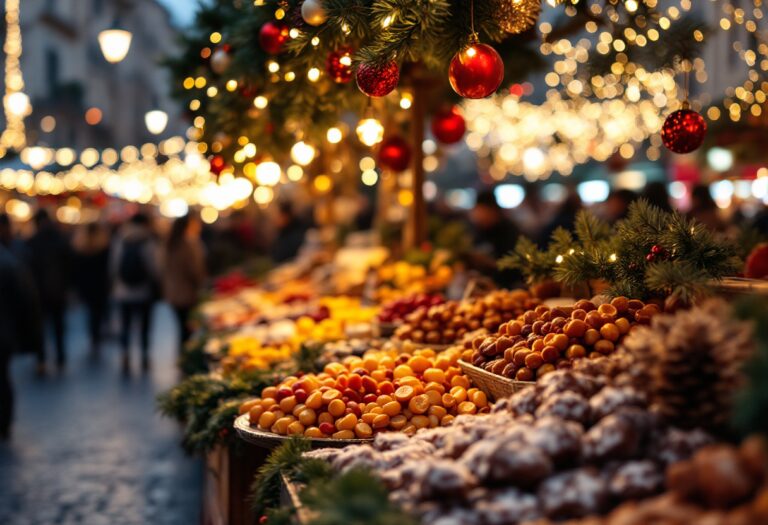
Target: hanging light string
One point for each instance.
(15, 102)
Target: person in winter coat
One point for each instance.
(183, 270)
(20, 328)
(48, 258)
(134, 271)
(91, 256)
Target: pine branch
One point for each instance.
(288, 457)
(590, 230)
(353, 498)
(680, 281)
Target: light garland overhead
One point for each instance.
(15, 102)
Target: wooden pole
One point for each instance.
(416, 231)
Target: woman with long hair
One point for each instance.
(183, 270)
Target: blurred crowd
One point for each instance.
(118, 272)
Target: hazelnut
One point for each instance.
(509, 370)
(604, 346)
(550, 354)
(585, 305)
(524, 374)
(620, 303)
(520, 356)
(610, 332)
(534, 360)
(575, 352)
(576, 328)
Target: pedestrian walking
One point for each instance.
(20, 328)
(91, 263)
(183, 270)
(48, 258)
(134, 271)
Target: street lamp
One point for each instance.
(156, 121)
(115, 43)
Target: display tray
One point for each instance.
(495, 386)
(270, 440)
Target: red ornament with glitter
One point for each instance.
(395, 153)
(448, 126)
(273, 36)
(476, 71)
(683, 131)
(378, 80)
(339, 65)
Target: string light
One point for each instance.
(15, 102)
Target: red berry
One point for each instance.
(327, 428)
(301, 395)
(283, 392)
(370, 398)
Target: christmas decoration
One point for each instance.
(339, 65)
(517, 16)
(691, 363)
(657, 253)
(378, 80)
(620, 256)
(683, 131)
(448, 126)
(220, 60)
(757, 263)
(395, 153)
(476, 71)
(313, 13)
(272, 37)
(217, 164)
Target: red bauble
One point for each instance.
(339, 65)
(683, 131)
(273, 36)
(378, 80)
(757, 263)
(476, 71)
(217, 164)
(448, 126)
(395, 153)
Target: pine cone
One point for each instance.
(690, 363)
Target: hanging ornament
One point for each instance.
(684, 130)
(517, 16)
(339, 65)
(476, 71)
(273, 36)
(448, 126)
(217, 164)
(378, 80)
(395, 153)
(221, 59)
(313, 13)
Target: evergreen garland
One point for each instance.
(691, 256)
(421, 35)
(207, 405)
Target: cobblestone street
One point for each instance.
(88, 446)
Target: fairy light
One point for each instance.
(15, 103)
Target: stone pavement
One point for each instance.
(88, 446)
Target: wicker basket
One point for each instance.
(495, 386)
(270, 440)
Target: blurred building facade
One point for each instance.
(66, 74)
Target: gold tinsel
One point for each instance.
(517, 16)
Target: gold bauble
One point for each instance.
(517, 16)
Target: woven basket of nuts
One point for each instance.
(270, 440)
(495, 386)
